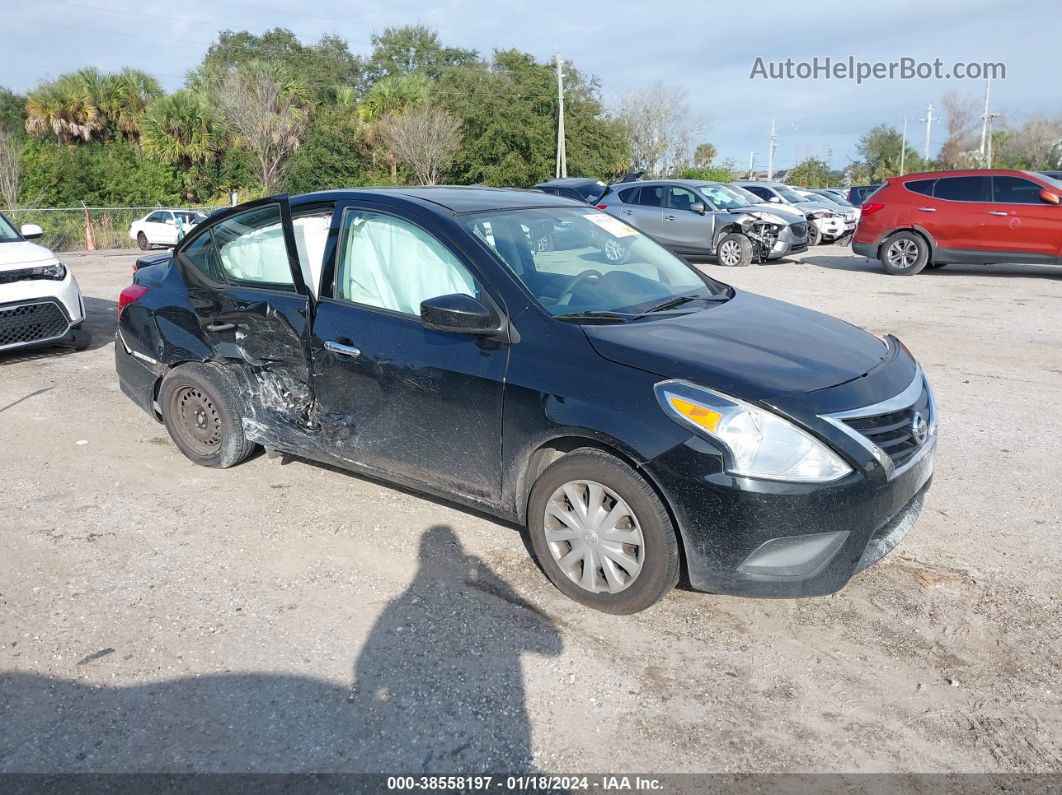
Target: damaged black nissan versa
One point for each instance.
(642, 419)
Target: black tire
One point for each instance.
(904, 254)
(814, 235)
(734, 250)
(203, 412)
(142, 241)
(659, 555)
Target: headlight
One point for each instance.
(56, 271)
(760, 444)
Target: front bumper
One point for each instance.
(754, 537)
(787, 243)
(38, 313)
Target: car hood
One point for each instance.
(751, 347)
(790, 214)
(20, 253)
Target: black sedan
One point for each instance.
(642, 419)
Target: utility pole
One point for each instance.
(988, 145)
(752, 165)
(770, 152)
(984, 124)
(903, 146)
(929, 124)
(562, 156)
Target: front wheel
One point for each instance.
(734, 251)
(202, 411)
(814, 235)
(601, 533)
(142, 241)
(904, 254)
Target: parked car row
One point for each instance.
(736, 223)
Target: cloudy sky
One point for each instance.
(707, 48)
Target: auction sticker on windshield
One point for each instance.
(613, 226)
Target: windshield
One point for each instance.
(580, 261)
(590, 190)
(727, 198)
(8, 233)
(747, 195)
(788, 194)
(833, 197)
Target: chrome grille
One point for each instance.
(37, 322)
(894, 431)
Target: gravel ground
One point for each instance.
(284, 616)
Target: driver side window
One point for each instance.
(680, 199)
(391, 264)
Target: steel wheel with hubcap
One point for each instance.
(203, 411)
(196, 420)
(142, 241)
(594, 536)
(601, 533)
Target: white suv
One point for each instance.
(160, 227)
(40, 302)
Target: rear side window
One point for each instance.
(1015, 190)
(627, 196)
(199, 253)
(963, 189)
(651, 196)
(252, 250)
(923, 186)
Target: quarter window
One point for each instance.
(923, 186)
(389, 263)
(627, 196)
(963, 189)
(1015, 190)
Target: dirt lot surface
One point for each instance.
(158, 616)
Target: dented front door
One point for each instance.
(252, 305)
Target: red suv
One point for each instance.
(928, 220)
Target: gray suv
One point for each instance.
(696, 217)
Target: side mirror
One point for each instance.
(457, 314)
(31, 231)
(776, 200)
(699, 208)
(1050, 197)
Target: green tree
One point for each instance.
(320, 66)
(704, 155)
(880, 149)
(413, 48)
(90, 105)
(811, 172)
(332, 154)
(508, 113)
(12, 111)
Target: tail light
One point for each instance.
(130, 295)
(870, 208)
(602, 206)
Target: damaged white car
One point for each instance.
(40, 301)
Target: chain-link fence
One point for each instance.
(83, 228)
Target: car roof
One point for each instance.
(569, 181)
(455, 199)
(686, 183)
(969, 172)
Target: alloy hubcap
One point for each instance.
(729, 252)
(594, 537)
(903, 254)
(613, 250)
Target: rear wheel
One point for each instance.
(734, 251)
(601, 533)
(203, 413)
(904, 254)
(142, 241)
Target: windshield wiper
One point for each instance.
(679, 300)
(594, 316)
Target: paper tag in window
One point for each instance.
(613, 226)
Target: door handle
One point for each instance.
(628, 212)
(341, 349)
(927, 209)
(220, 326)
(996, 212)
(669, 218)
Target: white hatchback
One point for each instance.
(40, 301)
(160, 227)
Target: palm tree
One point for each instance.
(179, 128)
(131, 91)
(64, 107)
(390, 96)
